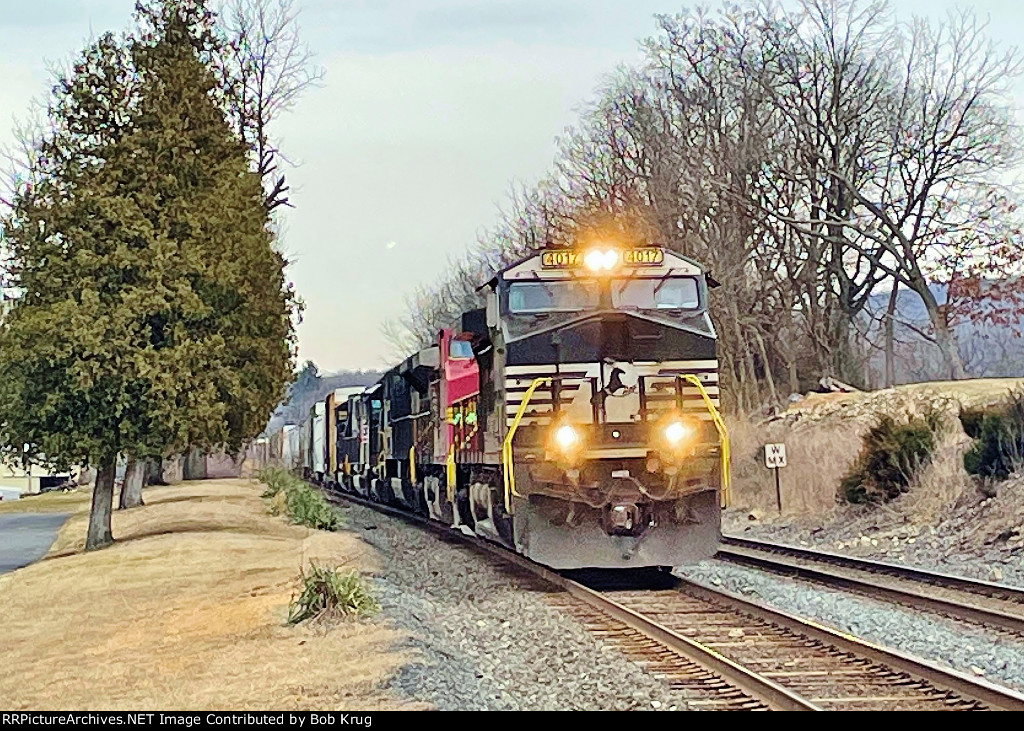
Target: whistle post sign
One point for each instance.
(774, 456)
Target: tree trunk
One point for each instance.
(950, 352)
(890, 348)
(99, 534)
(766, 364)
(944, 337)
(156, 472)
(131, 490)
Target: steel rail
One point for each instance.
(765, 556)
(990, 694)
(951, 581)
(776, 696)
(911, 597)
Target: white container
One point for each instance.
(319, 440)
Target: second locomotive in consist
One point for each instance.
(574, 419)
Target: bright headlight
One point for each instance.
(601, 260)
(676, 432)
(566, 437)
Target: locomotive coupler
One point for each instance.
(625, 519)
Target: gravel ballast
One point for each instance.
(968, 648)
(979, 536)
(484, 637)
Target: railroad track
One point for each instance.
(980, 602)
(828, 669)
(726, 652)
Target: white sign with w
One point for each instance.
(774, 455)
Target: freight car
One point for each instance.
(574, 418)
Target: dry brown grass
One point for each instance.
(823, 434)
(936, 488)
(817, 457)
(187, 611)
(49, 502)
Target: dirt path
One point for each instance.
(187, 611)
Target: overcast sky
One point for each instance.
(429, 109)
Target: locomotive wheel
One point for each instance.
(436, 499)
(421, 499)
(382, 491)
(503, 523)
(465, 508)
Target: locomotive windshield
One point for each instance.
(460, 350)
(671, 293)
(571, 296)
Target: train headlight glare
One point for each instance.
(676, 432)
(601, 260)
(567, 437)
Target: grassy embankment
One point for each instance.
(49, 502)
(824, 434)
(188, 610)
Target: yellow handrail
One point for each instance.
(723, 433)
(449, 464)
(508, 474)
(412, 465)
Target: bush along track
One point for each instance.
(998, 433)
(893, 451)
(302, 504)
(331, 593)
(326, 593)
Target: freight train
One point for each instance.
(573, 419)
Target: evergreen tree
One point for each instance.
(154, 313)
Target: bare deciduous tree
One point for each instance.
(267, 67)
(816, 159)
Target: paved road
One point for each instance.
(26, 537)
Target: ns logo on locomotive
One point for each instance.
(574, 419)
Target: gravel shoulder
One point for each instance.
(484, 637)
(959, 645)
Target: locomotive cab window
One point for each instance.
(533, 297)
(460, 350)
(672, 293)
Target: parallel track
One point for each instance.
(985, 603)
(729, 653)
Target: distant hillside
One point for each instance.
(311, 386)
(987, 351)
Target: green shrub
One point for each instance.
(307, 506)
(303, 504)
(331, 593)
(276, 479)
(971, 420)
(893, 451)
(998, 449)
